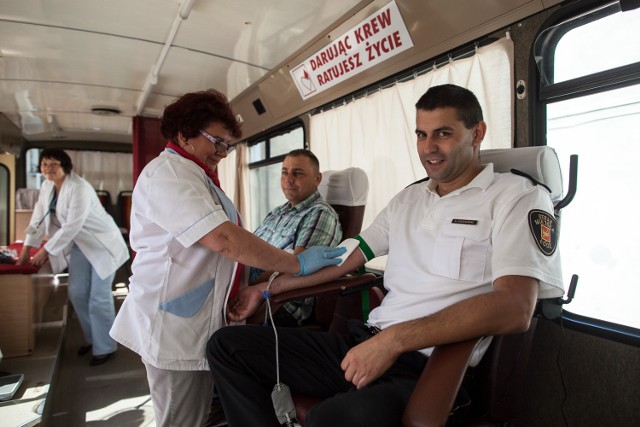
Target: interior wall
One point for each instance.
(576, 379)
(435, 28)
(148, 142)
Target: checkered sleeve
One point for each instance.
(319, 227)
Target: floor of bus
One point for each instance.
(61, 389)
(113, 394)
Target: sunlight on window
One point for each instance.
(600, 230)
(601, 45)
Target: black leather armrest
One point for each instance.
(343, 284)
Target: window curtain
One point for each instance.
(377, 132)
(112, 172)
(233, 173)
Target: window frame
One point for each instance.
(545, 94)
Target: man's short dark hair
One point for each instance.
(305, 153)
(451, 96)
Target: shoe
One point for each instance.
(99, 360)
(84, 349)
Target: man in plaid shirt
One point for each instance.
(305, 220)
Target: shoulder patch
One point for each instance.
(544, 229)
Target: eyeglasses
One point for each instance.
(219, 143)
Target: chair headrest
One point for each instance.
(348, 187)
(541, 163)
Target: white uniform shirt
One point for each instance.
(178, 288)
(82, 220)
(446, 249)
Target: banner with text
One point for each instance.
(377, 38)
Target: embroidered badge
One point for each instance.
(544, 229)
(464, 221)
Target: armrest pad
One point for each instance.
(437, 387)
(335, 286)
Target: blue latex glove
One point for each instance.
(317, 257)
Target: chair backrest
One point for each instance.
(105, 199)
(124, 210)
(346, 191)
(540, 163)
(500, 377)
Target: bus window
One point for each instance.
(594, 114)
(265, 165)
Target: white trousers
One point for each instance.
(180, 398)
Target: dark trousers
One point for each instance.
(242, 360)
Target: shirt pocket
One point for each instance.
(461, 249)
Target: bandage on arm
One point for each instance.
(350, 245)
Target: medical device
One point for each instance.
(281, 395)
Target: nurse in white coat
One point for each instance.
(190, 256)
(84, 237)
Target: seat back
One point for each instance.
(540, 163)
(105, 199)
(124, 210)
(346, 191)
(500, 377)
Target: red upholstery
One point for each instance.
(19, 269)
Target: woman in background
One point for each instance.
(84, 237)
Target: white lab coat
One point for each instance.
(83, 221)
(178, 289)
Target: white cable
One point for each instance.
(280, 396)
(267, 296)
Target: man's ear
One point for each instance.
(478, 133)
(318, 178)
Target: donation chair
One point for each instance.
(346, 191)
(496, 384)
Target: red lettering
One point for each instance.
(384, 18)
(385, 46)
(359, 38)
(346, 42)
(397, 39)
(358, 62)
(366, 27)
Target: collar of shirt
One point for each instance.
(483, 180)
(212, 174)
(303, 204)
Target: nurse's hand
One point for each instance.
(317, 257)
(245, 304)
(40, 257)
(23, 258)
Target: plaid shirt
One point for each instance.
(312, 222)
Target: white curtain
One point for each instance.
(112, 172)
(233, 173)
(377, 132)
